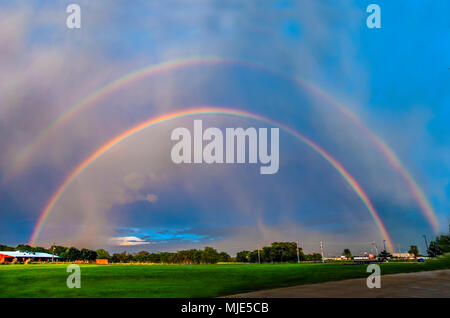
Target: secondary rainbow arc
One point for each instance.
(24, 155)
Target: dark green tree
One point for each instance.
(266, 254)
(242, 256)
(103, 254)
(347, 253)
(57, 250)
(24, 247)
(88, 255)
(71, 254)
(6, 248)
(210, 255)
(434, 249)
(141, 257)
(283, 251)
(444, 243)
(253, 256)
(224, 257)
(384, 255)
(123, 257)
(414, 250)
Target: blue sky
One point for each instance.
(395, 79)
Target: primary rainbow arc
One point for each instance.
(203, 111)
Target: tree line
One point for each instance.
(440, 246)
(277, 252)
(208, 255)
(67, 253)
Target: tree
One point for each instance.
(444, 243)
(122, 258)
(414, 250)
(141, 257)
(301, 254)
(71, 254)
(266, 255)
(347, 253)
(434, 249)
(165, 257)
(28, 248)
(92, 255)
(39, 249)
(284, 251)
(384, 255)
(242, 256)
(24, 247)
(276, 252)
(88, 255)
(253, 256)
(103, 254)
(317, 257)
(210, 255)
(224, 257)
(440, 246)
(196, 256)
(6, 248)
(115, 258)
(57, 250)
(154, 258)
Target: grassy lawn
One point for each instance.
(181, 280)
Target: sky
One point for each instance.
(305, 64)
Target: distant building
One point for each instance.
(402, 256)
(102, 261)
(22, 256)
(339, 258)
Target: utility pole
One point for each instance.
(259, 258)
(53, 253)
(298, 255)
(321, 249)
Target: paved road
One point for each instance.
(422, 284)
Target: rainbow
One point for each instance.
(203, 111)
(390, 155)
(24, 155)
(154, 69)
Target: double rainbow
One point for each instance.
(24, 156)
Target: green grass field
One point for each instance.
(41, 280)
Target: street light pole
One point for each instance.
(321, 249)
(53, 253)
(298, 255)
(426, 243)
